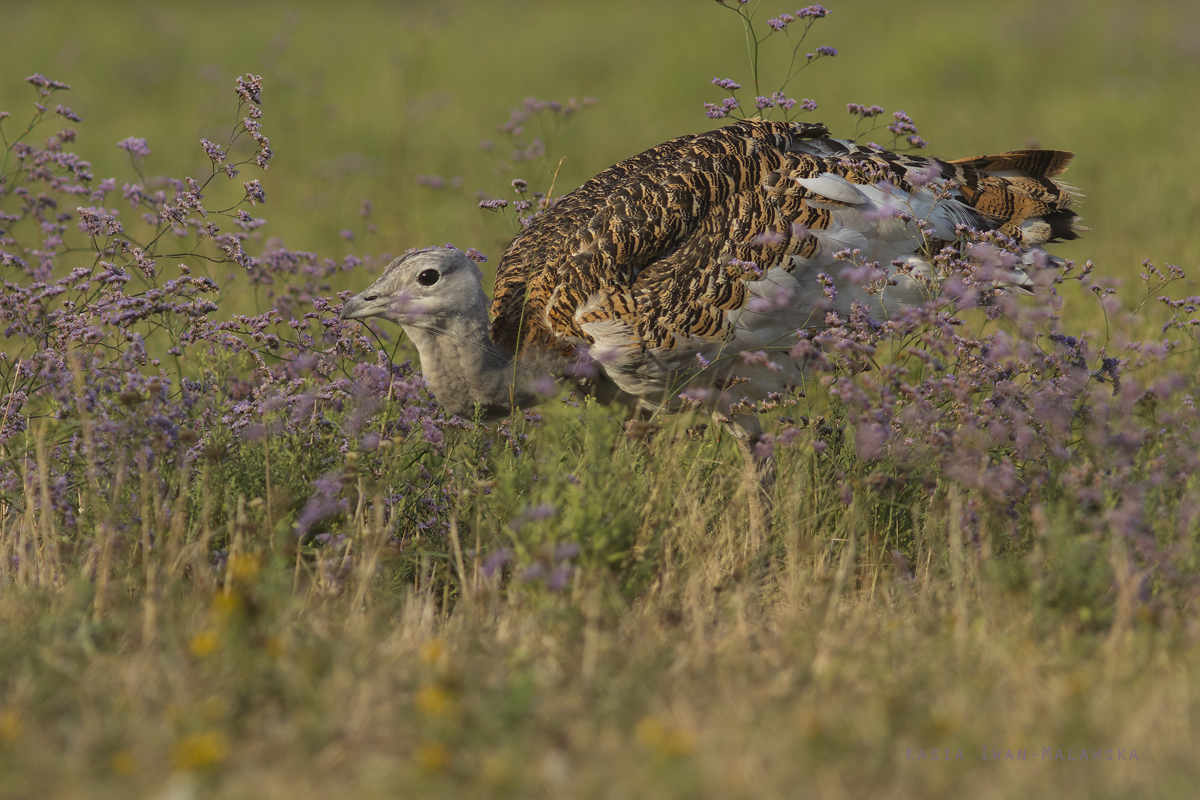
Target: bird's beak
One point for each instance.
(401, 308)
(358, 307)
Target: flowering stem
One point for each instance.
(793, 70)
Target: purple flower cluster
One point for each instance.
(902, 127)
(864, 111)
(781, 100)
(906, 129)
(808, 14)
(136, 147)
(714, 111)
(130, 374)
(763, 101)
(254, 192)
(45, 86)
(1021, 419)
(549, 566)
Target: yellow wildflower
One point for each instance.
(204, 643)
(225, 604)
(433, 757)
(663, 739)
(432, 651)
(10, 725)
(200, 751)
(433, 701)
(244, 566)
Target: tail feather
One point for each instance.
(1034, 163)
(1016, 190)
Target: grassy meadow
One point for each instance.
(221, 581)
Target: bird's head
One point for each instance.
(423, 289)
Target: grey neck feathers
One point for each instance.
(464, 368)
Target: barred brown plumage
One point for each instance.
(662, 269)
(654, 231)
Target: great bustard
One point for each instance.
(663, 269)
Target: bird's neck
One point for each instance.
(464, 368)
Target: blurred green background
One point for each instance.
(362, 98)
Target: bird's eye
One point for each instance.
(428, 277)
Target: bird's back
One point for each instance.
(717, 239)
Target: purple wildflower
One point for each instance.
(497, 560)
(255, 193)
(249, 88)
(323, 504)
(864, 111)
(63, 111)
(135, 146)
(717, 112)
(211, 150)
